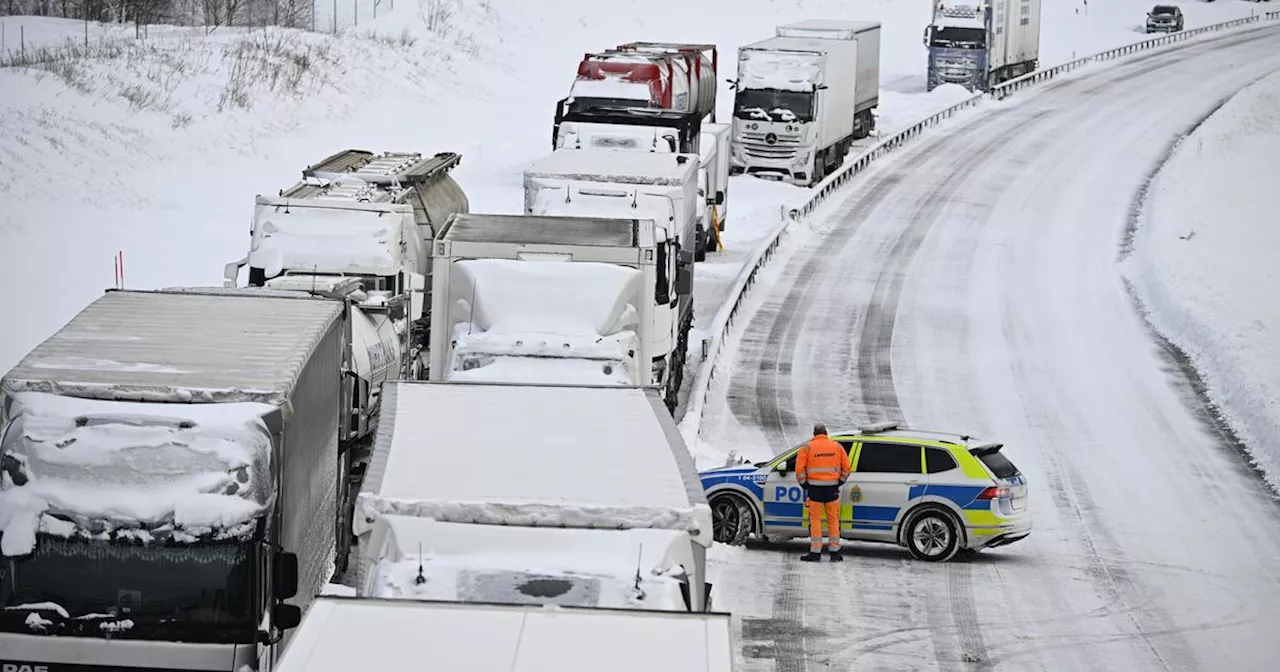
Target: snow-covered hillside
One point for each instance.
(1204, 262)
(156, 146)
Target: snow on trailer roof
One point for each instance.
(538, 437)
(340, 634)
(832, 28)
(498, 563)
(539, 230)
(189, 345)
(615, 165)
(808, 45)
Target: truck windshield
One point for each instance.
(201, 592)
(774, 105)
(959, 38)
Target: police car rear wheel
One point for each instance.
(932, 536)
(731, 520)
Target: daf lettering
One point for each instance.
(17, 667)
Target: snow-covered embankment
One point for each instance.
(1204, 263)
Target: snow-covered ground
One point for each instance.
(973, 284)
(1204, 262)
(156, 146)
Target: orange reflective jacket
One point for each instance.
(822, 461)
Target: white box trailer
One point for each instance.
(341, 634)
(559, 299)
(425, 559)
(575, 456)
(171, 467)
(713, 180)
(618, 183)
(980, 43)
(804, 96)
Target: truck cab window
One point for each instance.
(774, 105)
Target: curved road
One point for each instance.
(973, 282)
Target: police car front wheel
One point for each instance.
(931, 535)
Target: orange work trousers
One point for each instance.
(816, 511)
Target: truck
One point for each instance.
(712, 148)
(620, 183)
(803, 96)
(559, 299)
(172, 480)
(367, 216)
(413, 558)
(646, 84)
(981, 43)
(713, 181)
(570, 456)
(341, 634)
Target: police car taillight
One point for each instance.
(994, 493)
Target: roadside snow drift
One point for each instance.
(1205, 263)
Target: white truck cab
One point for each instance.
(424, 559)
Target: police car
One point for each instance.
(933, 492)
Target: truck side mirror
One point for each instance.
(231, 272)
(925, 38)
(417, 301)
(719, 198)
(284, 576)
(684, 280)
(285, 616)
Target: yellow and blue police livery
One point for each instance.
(936, 493)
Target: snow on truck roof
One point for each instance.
(149, 470)
(535, 439)
(395, 635)
(615, 165)
(539, 230)
(180, 345)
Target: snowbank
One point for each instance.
(79, 466)
(1204, 263)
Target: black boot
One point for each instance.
(836, 556)
(811, 557)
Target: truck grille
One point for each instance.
(756, 145)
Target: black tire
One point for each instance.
(931, 535)
(732, 519)
(346, 510)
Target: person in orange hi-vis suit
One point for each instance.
(822, 467)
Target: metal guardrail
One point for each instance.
(691, 423)
(722, 323)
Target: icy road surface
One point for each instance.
(973, 284)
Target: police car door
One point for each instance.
(879, 486)
(784, 513)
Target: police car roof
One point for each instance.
(913, 434)
(390, 635)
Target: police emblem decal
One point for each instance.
(855, 494)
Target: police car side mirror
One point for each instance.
(781, 467)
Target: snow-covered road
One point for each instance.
(973, 284)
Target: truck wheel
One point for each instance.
(342, 533)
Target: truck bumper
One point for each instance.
(83, 654)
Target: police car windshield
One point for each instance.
(200, 592)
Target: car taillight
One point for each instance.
(994, 493)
